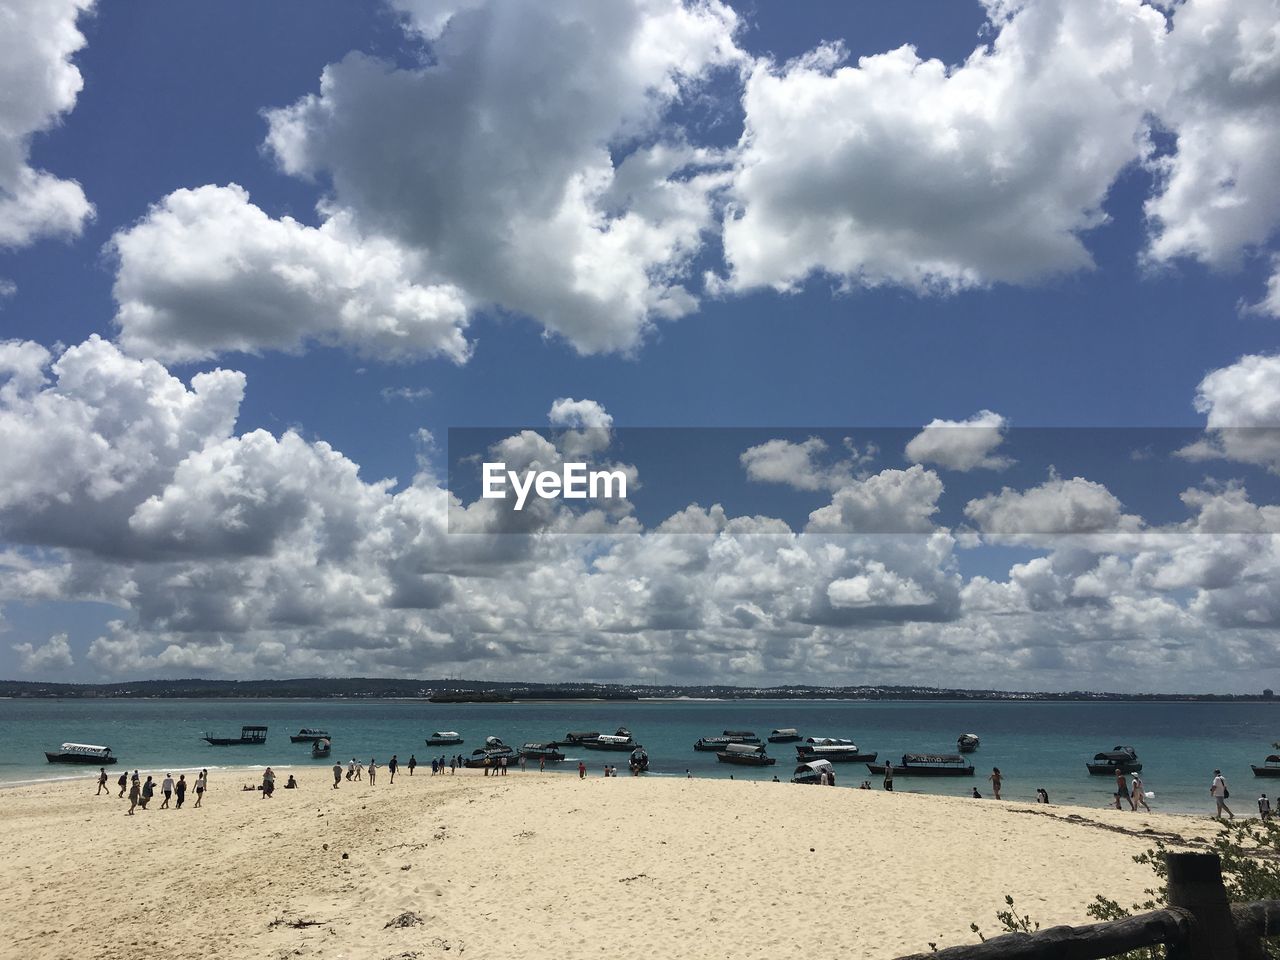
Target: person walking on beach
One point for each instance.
(268, 783)
(359, 770)
(454, 764)
(392, 765)
(1138, 795)
(102, 782)
(502, 765)
(148, 790)
(1264, 807)
(351, 769)
(434, 767)
(180, 790)
(888, 775)
(135, 794)
(1218, 790)
(996, 779)
(202, 781)
(582, 770)
(373, 771)
(337, 773)
(413, 762)
(123, 782)
(1122, 790)
(542, 764)
(167, 789)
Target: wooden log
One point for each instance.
(1092, 942)
(1195, 884)
(1253, 921)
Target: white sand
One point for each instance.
(545, 866)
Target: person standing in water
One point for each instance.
(996, 779)
(1122, 790)
(888, 775)
(1137, 795)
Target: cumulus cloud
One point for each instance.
(52, 655)
(1217, 195)
(906, 171)
(1241, 404)
(533, 160)
(1056, 506)
(962, 445)
(40, 84)
(206, 272)
(892, 501)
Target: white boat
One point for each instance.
(443, 738)
(81, 753)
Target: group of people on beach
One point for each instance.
(142, 791)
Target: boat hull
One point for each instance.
(1109, 769)
(1265, 771)
(614, 747)
(788, 738)
(308, 737)
(834, 756)
(746, 759)
(909, 770)
(551, 756)
(231, 742)
(443, 741)
(76, 758)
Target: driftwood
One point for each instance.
(1199, 924)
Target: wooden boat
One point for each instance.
(639, 760)
(492, 751)
(321, 747)
(443, 738)
(834, 749)
(81, 753)
(967, 742)
(542, 751)
(808, 771)
(928, 765)
(745, 754)
(1106, 764)
(715, 744)
(1271, 767)
(309, 735)
(784, 735)
(248, 735)
(575, 737)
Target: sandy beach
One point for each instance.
(545, 865)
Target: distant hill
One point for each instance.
(485, 691)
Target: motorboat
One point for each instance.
(716, 744)
(639, 760)
(81, 753)
(490, 754)
(745, 754)
(575, 737)
(1270, 768)
(784, 735)
(1105, 764)
(835, 749)
(606, 741)
(443, 738)
(927, 765)
(321, 747)
(309, 735)
(248, 736)
(967, 742)
(542, 751)
(808, 771)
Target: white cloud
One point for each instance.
(962, 445)
(1241, 404)
(40, 84)
(1269, 305)
(892, 501)
(52, 655)
(496, 160)
(906, 171)
(1218, 195)
(580, 414)
(1057, 506)
(206, 272)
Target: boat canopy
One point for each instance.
(311, 731)
(814, 765)
(932, 758)
(85, 748)
(1274, 758)
(493, 742)
(829, 742)
(784, 731)
(1118, 756)
(743, 748)
(968, 736)
(445, 733)
(739, 733)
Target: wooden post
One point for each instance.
(1195, 884)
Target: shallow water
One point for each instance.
(1034, 744)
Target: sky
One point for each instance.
(937, 339)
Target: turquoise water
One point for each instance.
(1034, 744)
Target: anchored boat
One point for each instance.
(321, 747)
(81, 753)
(808, 771)
(1124, 759)
(784, 735)
(832, 748)
(248, 735)
(967, 742)
(617, 741)
(542, 751)
(639, 760)
(1271, 768)
(443, 738)
(928, 765)
(309, 735)
(745, 754)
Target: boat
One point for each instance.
(606, 741)
(308, 735)
(1123, 759)
(81, 753)
(967, 742)
(1271, 768)
(808, 771)
(716, 744)
(575, 737)
(835, 749)
(489, 755)
(321, 747)
(542, 751)
(248, 735)
(784, 735)
(745, 754)
(639, 760)
(443, 738)
(928, 765)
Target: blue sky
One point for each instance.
(453, 214)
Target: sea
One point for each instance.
(1035, 744)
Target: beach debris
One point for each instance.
(324, 847)
(406, 866)
(345, 857)
(636, 877)
(298, 923)
(406, 919)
